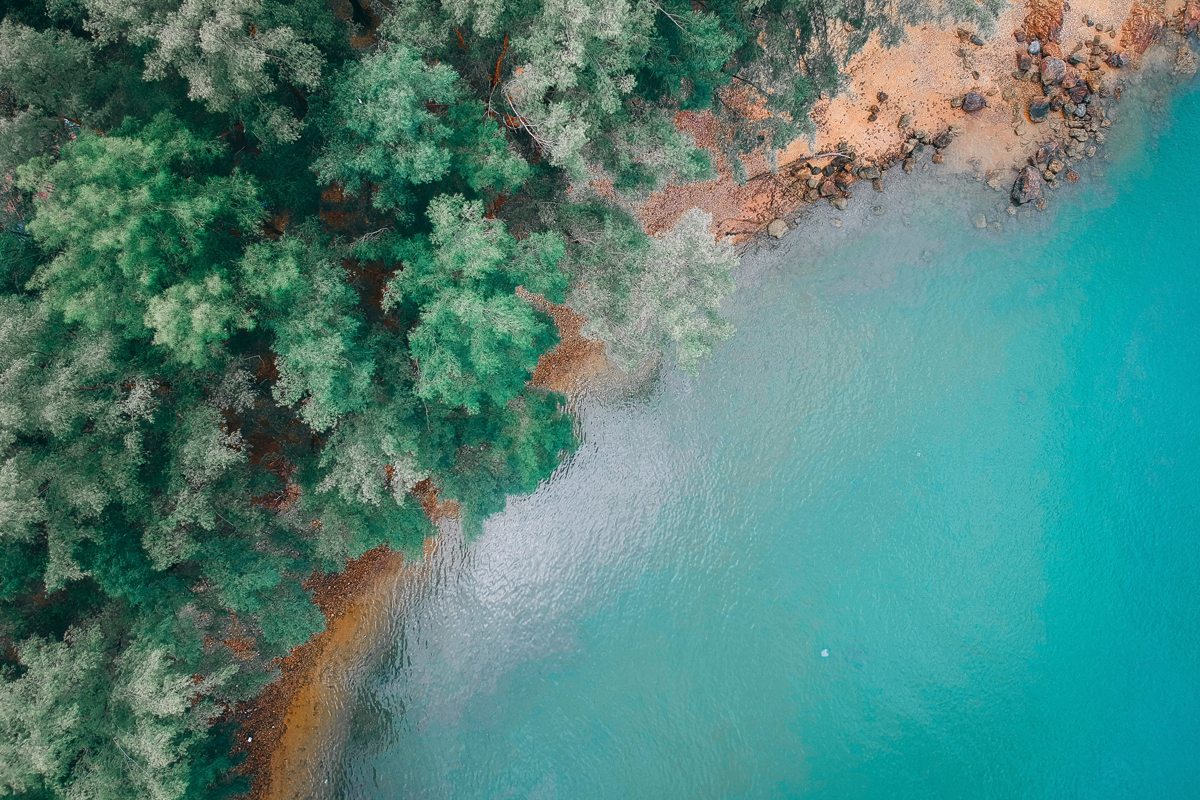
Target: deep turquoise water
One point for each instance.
(964, 463)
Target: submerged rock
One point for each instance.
(777, 228)
(1028, 186)
(980, 221)
(974, 101)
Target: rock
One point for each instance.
(1056, 166)
(1041, 204)
(1090, 151)
(1053, 71)
(1118, 60)
(1039, 110)
(1100, 27)
(938, 158)
(1035, 47)
(1095, 82)
(956, 102)
(843, 179)
(917, 152)
(1185, 62)
(975, 40)
(869, 173)
(943, 140)
(1046, 152)
(877, 184)
(1069, 108)
(828, 189)
(1191, 16)
(813, 182)
(1075, 59)
(1072, 176)
(905, 121)
(980, 221)
(909, 165)
(881, 97)
(974, 101)
(1019, 36)
(1143, 28)
(837, 223)
(907, 147)
(1025, 63)
(1028, 186)
(1056, 104)
(1079, 135)
(839, 203)
(1081, 111)
(1048, 176)
(777, 228)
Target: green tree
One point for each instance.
(645, 294)
(146, 231)
(476, 341)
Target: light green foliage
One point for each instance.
(386, 126)
(476, 340)
(226, 50)
(44, 69)
(566, 74)
(144, 235)
(662, 294)
(381, 128)
(324, 369)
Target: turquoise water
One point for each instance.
(965, 464)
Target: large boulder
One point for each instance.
(1053, 71)
(1191, 16)
(974, 101)
(1028, 186)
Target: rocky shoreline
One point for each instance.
(1043, 107)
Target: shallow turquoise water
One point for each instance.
(966, 464)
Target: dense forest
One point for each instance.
(259, 264)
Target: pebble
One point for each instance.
(837, 223)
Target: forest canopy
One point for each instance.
(259, 273)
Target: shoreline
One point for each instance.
(902, 108)
(288, 727)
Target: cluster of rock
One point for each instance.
(833, 181)
(1070, 87)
